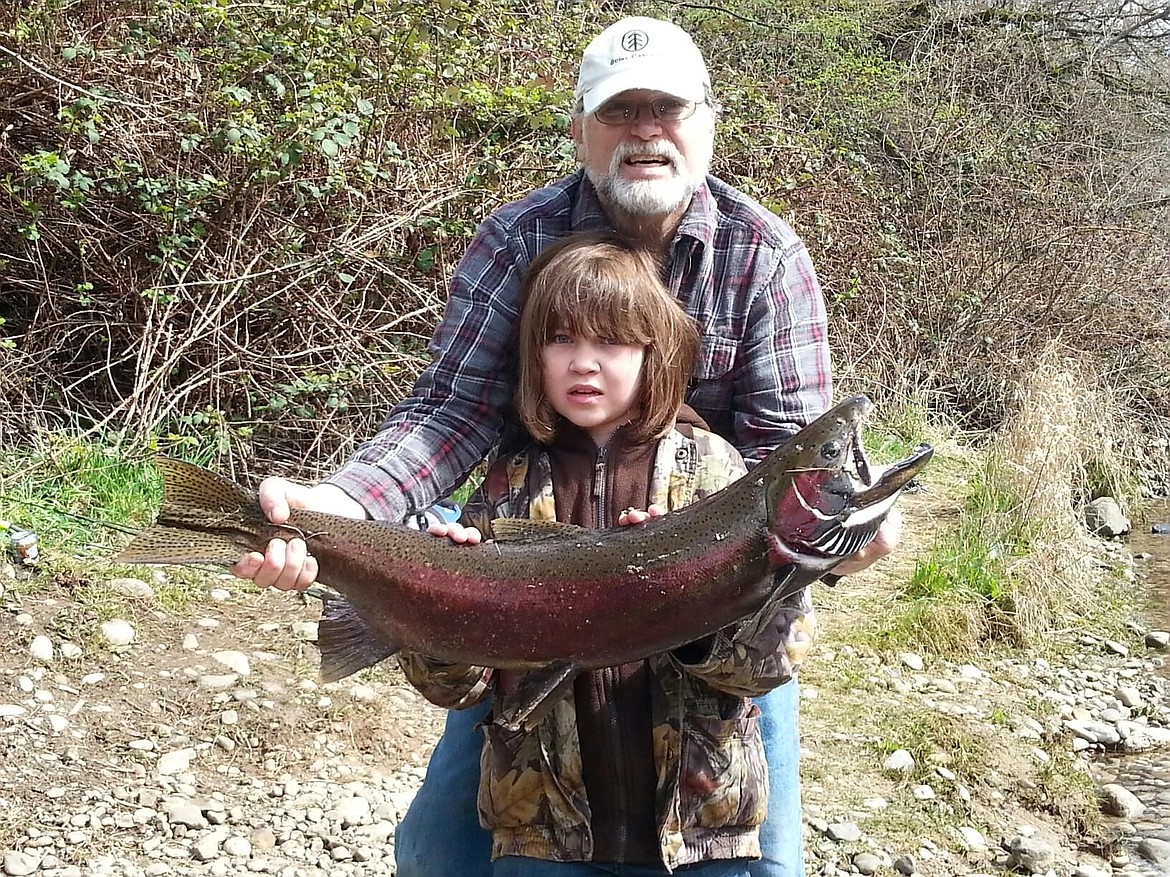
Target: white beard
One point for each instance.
(645, 197)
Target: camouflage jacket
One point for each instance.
(709, 759)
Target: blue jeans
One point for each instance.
(440, 836)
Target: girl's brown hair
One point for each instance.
(594, 285)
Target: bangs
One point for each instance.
(605, 302)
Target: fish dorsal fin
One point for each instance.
(525, 530)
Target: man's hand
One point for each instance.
(287, 564)
(884, 543)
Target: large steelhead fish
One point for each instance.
(555, 600)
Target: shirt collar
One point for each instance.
(700, 219)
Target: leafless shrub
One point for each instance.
(1035, 212)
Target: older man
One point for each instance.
(644, 124)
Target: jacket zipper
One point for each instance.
(600, 490)
(601, 517)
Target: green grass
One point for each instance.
(74, 493)
(83, 499)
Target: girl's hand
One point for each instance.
(457, 533)
(637, 516)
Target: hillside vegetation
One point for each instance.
(229, 226)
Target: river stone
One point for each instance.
(353, 811)
(1158, 639)
(1095, 732)
(973, 839)
(237, 846)
(206, 848)
(843, 832)
(867, 863)
(899, 761)
(41, 649)
(185, 813)
(175, 762)
(1130, 697)
(911, 660)
(117, 632)
(18, 864)
(129, 587)
(237, 662)
(1156, 851)
(1030, 855)
(1119, 801)
(1104, 517)
(905, 865)
(1160, 529)
(305, 630)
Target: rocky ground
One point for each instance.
(140, 736)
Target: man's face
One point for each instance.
(646, 167)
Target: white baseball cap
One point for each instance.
(644, 53)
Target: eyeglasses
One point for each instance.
(666, 109)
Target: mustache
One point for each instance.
(660, 148)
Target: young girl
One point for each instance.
(656, 764)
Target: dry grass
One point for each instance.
(1063, 444)
(1008, 561)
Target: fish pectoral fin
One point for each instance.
(345, 641)
(782, 588)
(525, 530)
(535, 696)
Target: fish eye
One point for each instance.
(831, 450)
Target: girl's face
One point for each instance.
(593, 382)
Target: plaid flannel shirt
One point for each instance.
(737, 269)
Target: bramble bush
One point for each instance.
(231, 225)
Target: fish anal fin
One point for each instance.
(346, 642)
(525, 530)
(535, 696)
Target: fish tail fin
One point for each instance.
(345, 641)
(180, 545)
(204, 518)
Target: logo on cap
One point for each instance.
(634, 40)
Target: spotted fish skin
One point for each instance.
(571, 599)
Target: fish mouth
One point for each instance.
(841, 514)
(892, 478)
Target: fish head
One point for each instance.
(825, 501)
